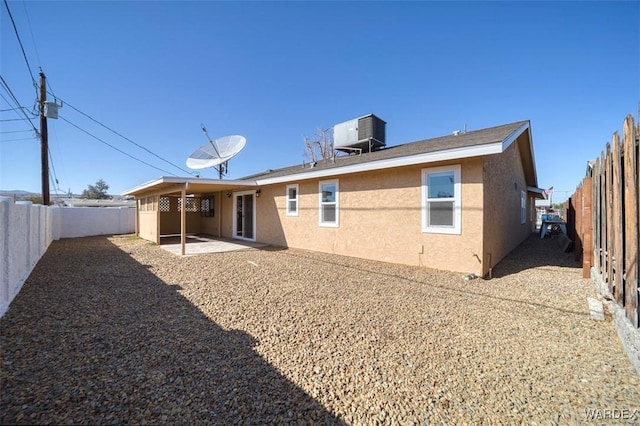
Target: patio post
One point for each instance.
(183, 221)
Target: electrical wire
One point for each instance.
(12, 109)
(124, 137)
(3, 132)
(17, 103)
(54, 141)
(53, 178)
(24, 54)
(115, 148)
(33, 39)
(19, 139)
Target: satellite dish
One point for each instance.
(216, 152)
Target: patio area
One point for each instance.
(203, 244)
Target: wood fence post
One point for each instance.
(617, 226)
(574, 218)
(597, 216)
(608, 205)
(587, 226)
(602, 218)
(631, 222)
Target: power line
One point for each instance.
(33, 39)
(15, 100)
(12, 109)
(124, 137)
(16, 140)
(3, 132)
(117, 149)
(24, 54)
(53, 131)
(19, 139)
(53, 178)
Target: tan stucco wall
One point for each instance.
(170, 221)
(379, 218)
(148, 226)
(209, 225)
(502, 223)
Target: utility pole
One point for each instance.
(44, 141)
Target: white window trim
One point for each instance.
(297, 200)
(523, 207)
(457, 200)
(337, 204)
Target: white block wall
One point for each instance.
(87, 221)
(27, 230)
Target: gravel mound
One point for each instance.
(111, 330)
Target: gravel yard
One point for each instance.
(111, 330)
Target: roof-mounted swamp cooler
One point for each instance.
(364, 134)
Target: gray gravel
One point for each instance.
(113, 330)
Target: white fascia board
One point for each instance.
(142, 186)
(538, 191)
(514, 135)
(533, 156)
(431, 157)
(187, 181)
(200, 181)
(225, 182)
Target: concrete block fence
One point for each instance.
(27, 230)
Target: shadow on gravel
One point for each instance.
(95, 338)
(535, 252)
(530, 254)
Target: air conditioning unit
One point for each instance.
(366, 134)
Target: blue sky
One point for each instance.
(277, 71)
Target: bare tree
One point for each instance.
(320, 147)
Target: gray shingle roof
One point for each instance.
(463, 140)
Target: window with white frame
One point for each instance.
(523, 207)
(292, 200)
(329, 206)
(441, 200)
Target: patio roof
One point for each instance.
(174, 185)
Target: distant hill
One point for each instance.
(17, 194)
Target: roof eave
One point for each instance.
(539, 192)
(430, 157)
(526, 126)
(155, 184)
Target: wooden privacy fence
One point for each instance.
(603, 219)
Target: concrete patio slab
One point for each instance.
(204, 244)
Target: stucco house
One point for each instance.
(460, 202)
